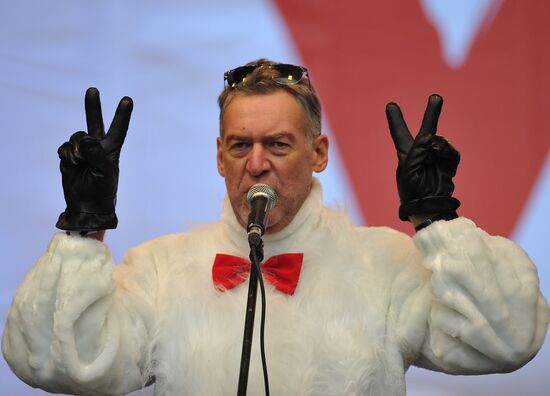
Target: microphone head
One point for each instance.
(262, 190)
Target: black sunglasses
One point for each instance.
(288, 74)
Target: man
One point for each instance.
(360, 304)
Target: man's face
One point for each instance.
(264, 141)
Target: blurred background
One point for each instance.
(489, 59)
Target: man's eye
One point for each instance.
(239, 146)
(279, 145)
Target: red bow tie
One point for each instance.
(282, 271)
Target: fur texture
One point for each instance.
(370, 302)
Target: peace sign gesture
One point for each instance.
(89, 168)
(427, 164)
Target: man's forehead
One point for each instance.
(266, 114)
(249, 135)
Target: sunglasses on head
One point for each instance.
(288, 74)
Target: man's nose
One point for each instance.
(258, 162)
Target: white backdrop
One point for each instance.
(170, 59)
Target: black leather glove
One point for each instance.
(427, 164)
(89, 168)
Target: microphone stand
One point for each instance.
(256, 257)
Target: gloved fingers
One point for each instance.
(441, 148)
(402, 138)
(64, 152)
(119, 126)
(69, 152)
(428, 146)
(429, 149)
(94, 118)
(94, 155)
(82, 149)
(420, 153)
(431, 115)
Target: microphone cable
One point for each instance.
(262, 320)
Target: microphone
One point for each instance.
(261, 199)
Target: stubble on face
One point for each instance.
(264, 141)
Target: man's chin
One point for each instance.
(274, 219)
(274, 224)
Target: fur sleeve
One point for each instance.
(487, 313)
(74, 328)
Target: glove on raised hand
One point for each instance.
(89, 168)
(427, 164)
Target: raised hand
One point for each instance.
(427, 164)
(89, 168)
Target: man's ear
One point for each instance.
(320, 153)
(219, 159)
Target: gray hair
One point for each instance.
(261, 81)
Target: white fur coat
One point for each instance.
(370, 302)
